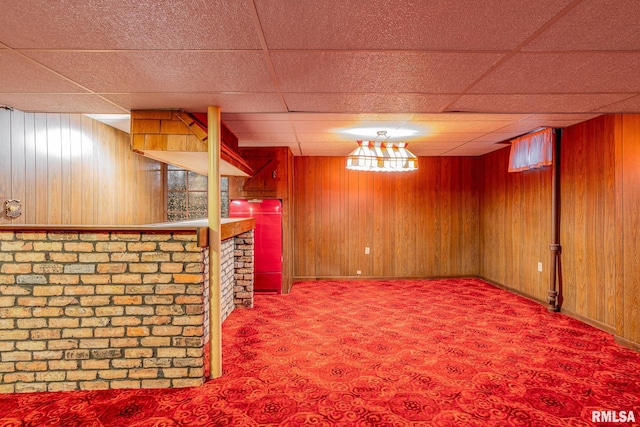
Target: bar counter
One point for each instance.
(97, 307)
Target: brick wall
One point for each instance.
(243, 290)
(82, 310)
(227, 278)
(236, 266)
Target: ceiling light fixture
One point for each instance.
(382, 156)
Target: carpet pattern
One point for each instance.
(378, 353)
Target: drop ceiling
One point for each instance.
(464, 75)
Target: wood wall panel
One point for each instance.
(599, 223)
(416, 224)
(70, 169)
(5, 157)
(630, 329)
(587, 227)
(515, 225)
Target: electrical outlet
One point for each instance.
(358, 272)
(367, 250)
(540, 267)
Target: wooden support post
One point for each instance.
(215, 325)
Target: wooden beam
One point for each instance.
(215, 324)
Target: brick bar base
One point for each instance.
(98, 310)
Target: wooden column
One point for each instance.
(215, 325)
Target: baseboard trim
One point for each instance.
(335, 278)
(512, 290)
(594, 323)
(599, 325)
(627, 343)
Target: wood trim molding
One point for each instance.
(234, 228)
(227, 153)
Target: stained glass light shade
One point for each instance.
(382, 157)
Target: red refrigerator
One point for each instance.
(267, 261)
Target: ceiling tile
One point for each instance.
(520, 127)
(128, 24)
(351, 117)
(402, 24)
(481, 145)
(557, 103)
(20, 74)
(60, 103)
(629, 105)
(343, 127)
(198, 102)
(466, 117)
(324, 149)
(472, 152)
(326, 137)
(226, 116)
(390, 72)
(598, 72)
(593, 25)
(373, 103)
(162, 71)
(463, 127)
(549, 120)
(428, 152)
(262, 138)
(260, 126)
(575, 118)
(295, 148)
(453, 137)
(419, 148)
(498, 137)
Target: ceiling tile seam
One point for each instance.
(263, 43)
(391, 92)
(630, 94)
(189, 92)
(57, 50)
(418, 51)
(421, 51)
(472, 140)
(272, 70)
(62, 76)
(517, 49)
(577, 51)
(615, 102)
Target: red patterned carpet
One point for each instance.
(386, 353)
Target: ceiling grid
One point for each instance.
(464, 76)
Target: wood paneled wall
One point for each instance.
(416, 224)
(588, 230)
(599, 224)
(515, 225)
(71, 169)
(628, 297)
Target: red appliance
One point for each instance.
(267, 237)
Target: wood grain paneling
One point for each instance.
(70, 169)
(599, 223)
(630, 303)
(587, 225)
(515, 225)
(416, 224)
